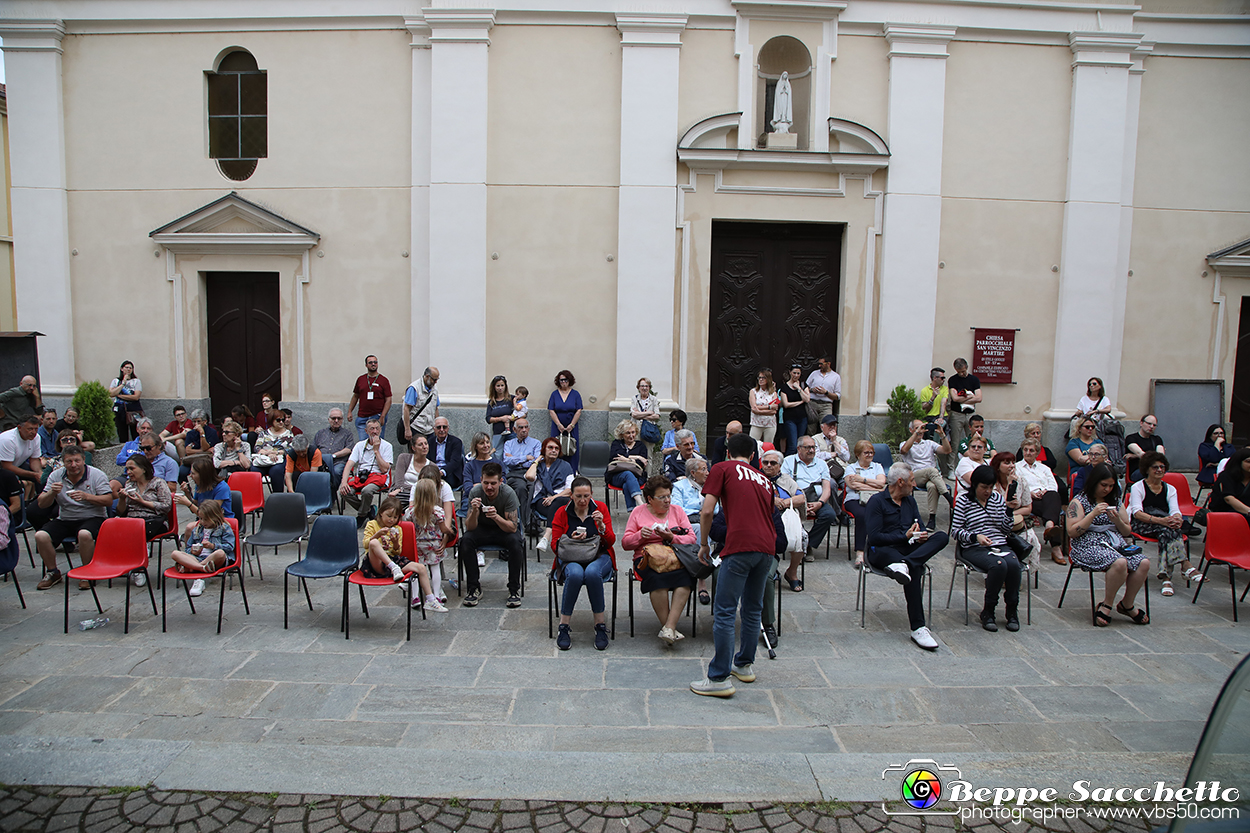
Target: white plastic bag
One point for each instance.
(796, 535)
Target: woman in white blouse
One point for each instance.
(864, 478)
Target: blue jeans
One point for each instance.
(627, 483)
(740, 580)
(336, 473)
(277, 477)
(593, 575)
(792, 431)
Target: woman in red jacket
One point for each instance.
(582, 530)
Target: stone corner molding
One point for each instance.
(1104, 49)
(459, 25)
(32, 35)
(658, 29)
(917, 40)
(789, 9)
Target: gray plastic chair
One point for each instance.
(285, 521)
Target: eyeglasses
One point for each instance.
(336, 419)
(148, 447)
(563, 379)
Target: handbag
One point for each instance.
(568, 445)
(578, 550)
(616, 467)
(659, 558)
(796, 535)
(1019, 546)
(649, 432)
(688, 555)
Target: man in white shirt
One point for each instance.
(20, 453)
(825, 387)
(920, 455)
(812, 477)
(371, 456)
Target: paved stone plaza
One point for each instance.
(486, 708)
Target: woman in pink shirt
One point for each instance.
(657, 521)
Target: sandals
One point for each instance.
(1138, 615)
(1101, 619)
(796, 585)
(704, 597)
(1194, 575)
(1167, 590)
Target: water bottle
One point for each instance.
(90, 624)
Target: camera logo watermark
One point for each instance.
(921, 786)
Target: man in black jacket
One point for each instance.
(447, 452)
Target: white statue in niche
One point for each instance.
(783, 105)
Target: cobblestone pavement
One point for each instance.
(100, 810)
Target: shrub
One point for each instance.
(95, 412)
(904, 406)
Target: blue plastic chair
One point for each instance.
(9, 557)
(333, 550)
(315, 487)
(881, 454)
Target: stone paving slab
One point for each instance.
(487, 686)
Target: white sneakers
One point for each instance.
(139, 578)
(397, 572)
(434, 605)
(713, 688)
(544, 543)
(923, 638)
(899, 572)
(197, 587)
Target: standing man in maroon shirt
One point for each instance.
(373, 393)
(747, 557)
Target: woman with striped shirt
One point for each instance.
(981, 525)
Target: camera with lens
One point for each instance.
(930, 431)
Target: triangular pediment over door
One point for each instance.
(235, 224)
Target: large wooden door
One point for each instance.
(244, 340)
(774, 301)
(1241, 380)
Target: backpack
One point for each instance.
(1111, 434)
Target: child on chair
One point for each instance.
(209, 545)
(384, 545)
(427, 519)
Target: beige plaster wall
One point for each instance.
(554, 105)
(1191, 141)
(860, 81)
(708, 80)
(998, 255)
(339, 105)
(704, 205)
(1170, 318)
(1005, 132)
(551, 295)
(362, 278)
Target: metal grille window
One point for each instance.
(238, 103)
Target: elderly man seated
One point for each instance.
(831, 448)
(1095, 454)
(813, 480)
(335, 442)
(144, 427)
(20, 453)
(368, 470)
(720, 446)
(519, 453)
(789, 495)
(900, 545)
(82, 495)
(675, 464)
(20, 402)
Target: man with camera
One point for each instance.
(919, 452)
(367, 471)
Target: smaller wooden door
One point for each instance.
(1240, 411)
(244, 340)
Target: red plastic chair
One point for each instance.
(1183, 497)
(250, 484)
(159, 540)
(121, 548)
(358, 578)
(235, 566)
(1228, 542)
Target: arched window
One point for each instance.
(238, 105)
(788, 55)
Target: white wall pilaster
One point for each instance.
(32, 61)
(913, 206)
(1093, 272)
(459, 53)
(419, 250)
(646, 235)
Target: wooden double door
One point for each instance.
(774, 301)
(244, 340)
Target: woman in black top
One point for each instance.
(794, 399)
(1232, 488)
(627, 466)
(499, 411)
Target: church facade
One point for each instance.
(245, 197)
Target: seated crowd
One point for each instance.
(1005, 508)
